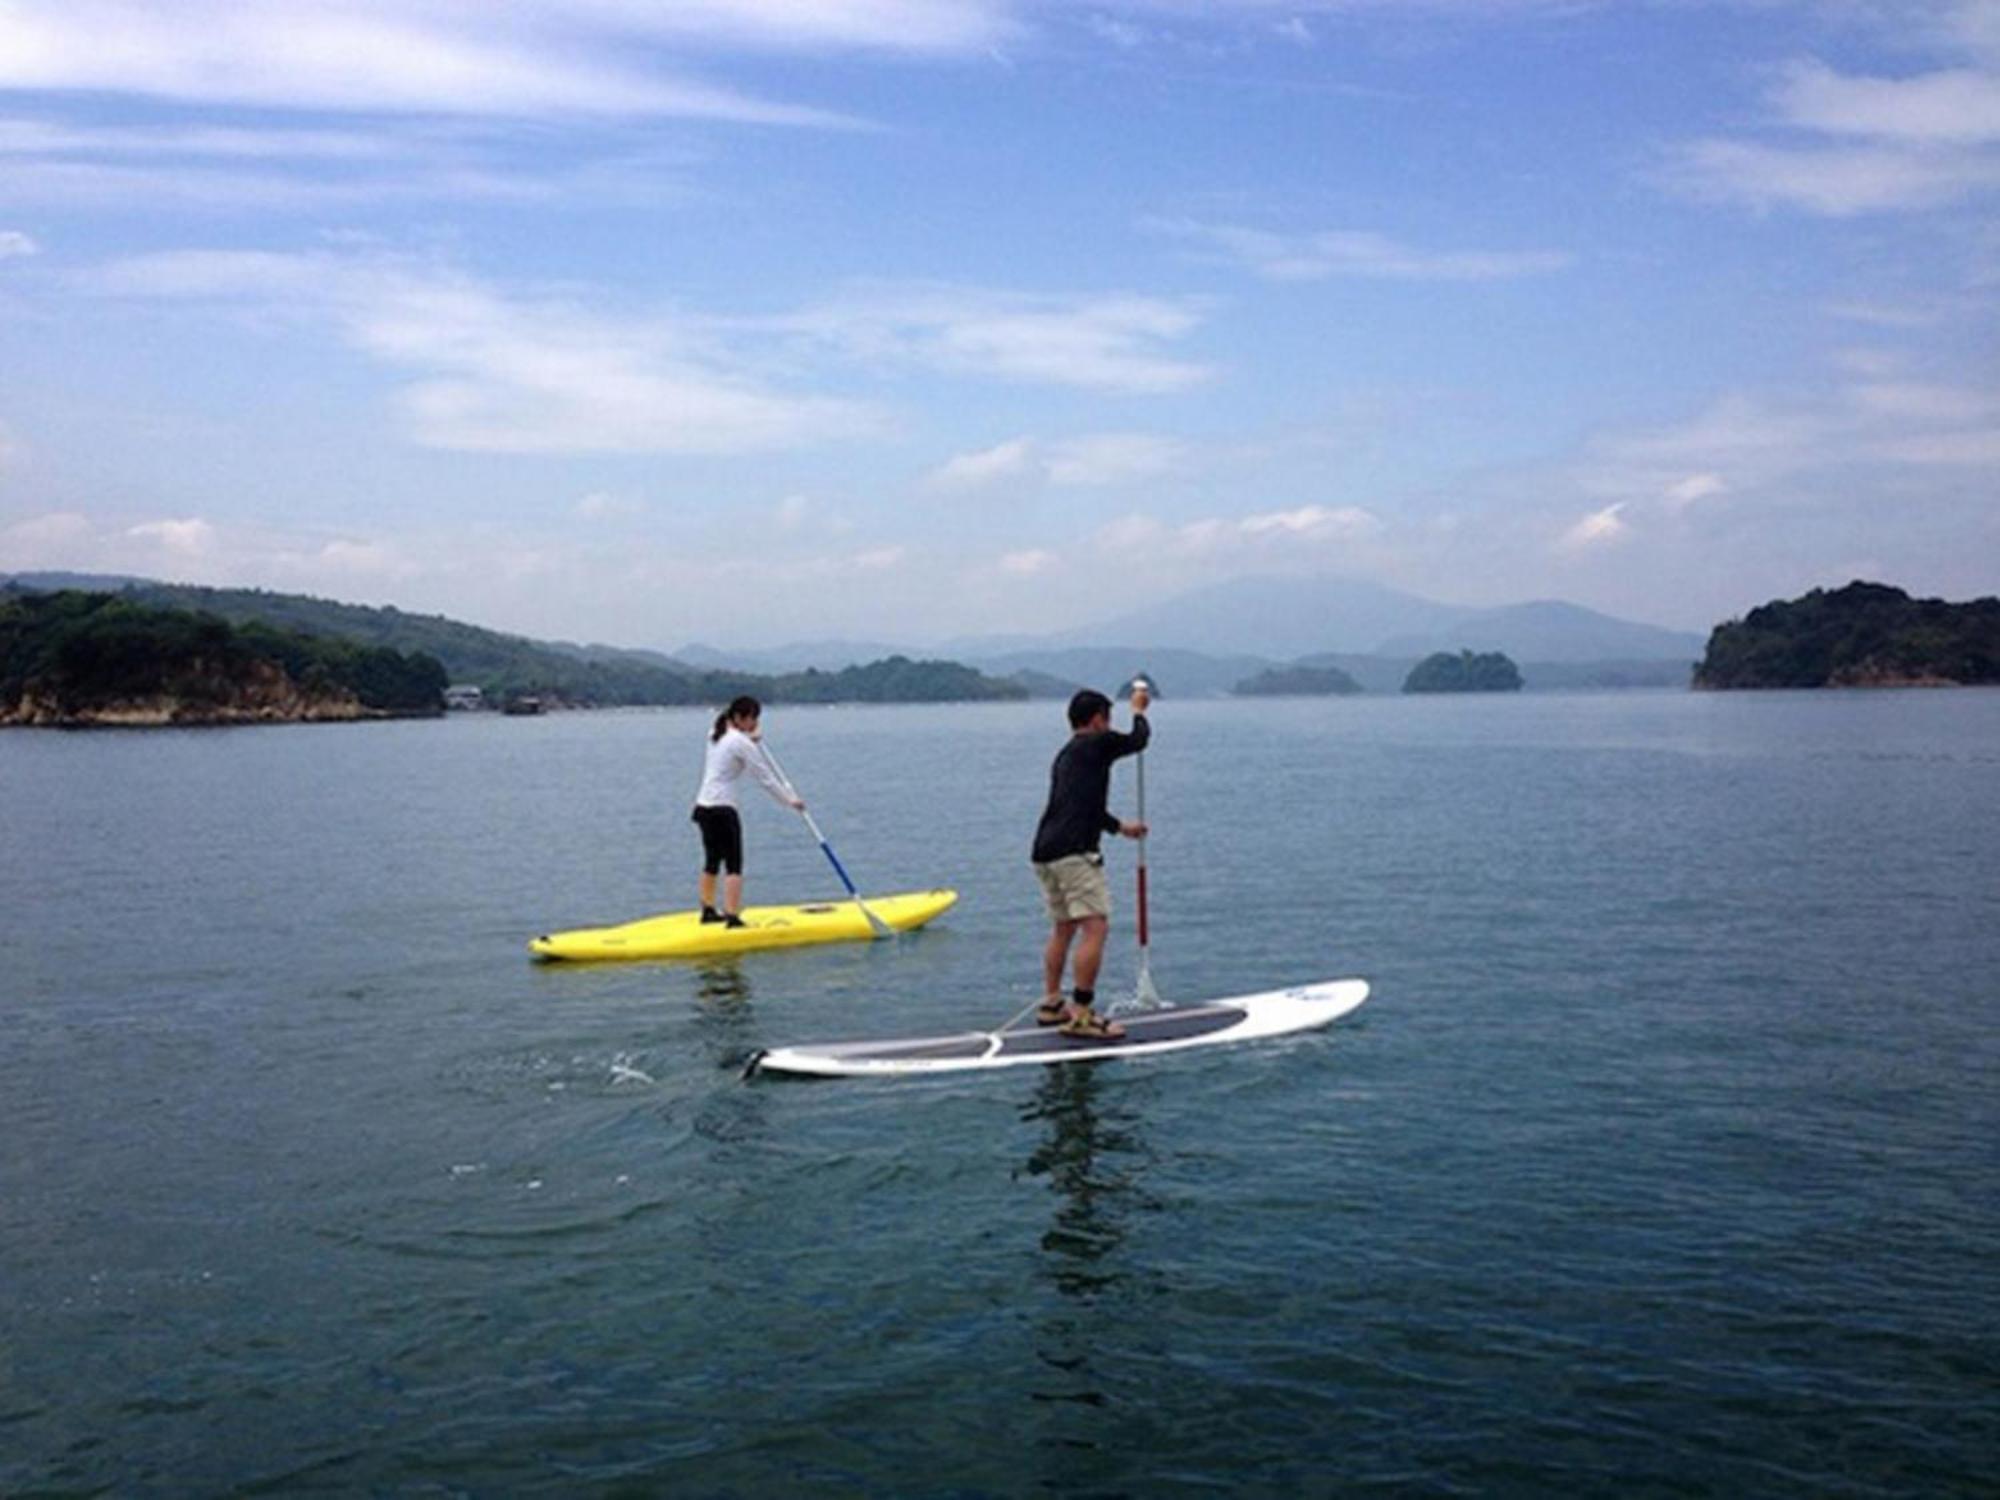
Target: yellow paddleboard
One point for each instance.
(682, 934)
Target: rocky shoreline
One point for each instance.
(263, 693)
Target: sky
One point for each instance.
(749, 321)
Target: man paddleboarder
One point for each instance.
(1069, 865)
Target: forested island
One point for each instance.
(1467, 672)
(1864, 635)
(73, 659)
(142, 657)
(1297, 681)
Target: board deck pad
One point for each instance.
(1242, 1018)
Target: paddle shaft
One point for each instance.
(824, 847)
(1145, 933)
(1145, 993)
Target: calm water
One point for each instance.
(1664, 1161)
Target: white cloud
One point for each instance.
(1598, 529)
(458, 57)
(1926, 402)
(1312, 522)
(1957, 106)
(13, 243)
(358, 559)
(1010, 462)
(1294, 29)
(1267, 536)
(1106, 343)
(1895, 315)
(1100, 460)
(1854, 144)
(1120, 34)
(1809, 450)
(1691, 491)
(184, 538)
(1362, 253)
(505, 373)
(878, 559)
(1835, 181)
(1112, 458)
(278, 167)
(1973, 448)
(599, 506)
(1028, 563)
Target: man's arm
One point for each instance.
(1123, 745)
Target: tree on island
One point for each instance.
(1864, 635)
(77, 658)
(1297, 681)
(1467, 672)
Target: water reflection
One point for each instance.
(720, 983)
(725, 1026)
(725, 1021)
(1090, 1158)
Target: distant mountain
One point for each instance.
(1179, 674)
(1376, 674)
(504, 666)
(1549, 630)
(1042, 684)
(1283, 619)
(1276, 618)
(49, 583)
(796, 656)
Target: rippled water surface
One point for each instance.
(1665, 1159)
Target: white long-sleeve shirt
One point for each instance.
(728, 758)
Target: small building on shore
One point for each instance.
(464, 696)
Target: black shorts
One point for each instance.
(721, 839)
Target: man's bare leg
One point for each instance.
(1089, 957)
(1090, 951)
(1054, 956)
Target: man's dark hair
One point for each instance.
(1087, 705)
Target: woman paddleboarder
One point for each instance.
(732, 750)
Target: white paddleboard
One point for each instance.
(1219, 1022)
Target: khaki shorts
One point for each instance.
(1075, 887)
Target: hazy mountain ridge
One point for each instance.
(1558, 645)
(504, 665)
(1551, 630)
(1265, 621)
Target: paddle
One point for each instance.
(1145, 995)
(882, 928)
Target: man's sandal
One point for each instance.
(1093, 1028)
(1052, 1011)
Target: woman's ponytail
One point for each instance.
(742, 707)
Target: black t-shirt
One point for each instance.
(1076, 818)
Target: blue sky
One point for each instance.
(758, 319)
